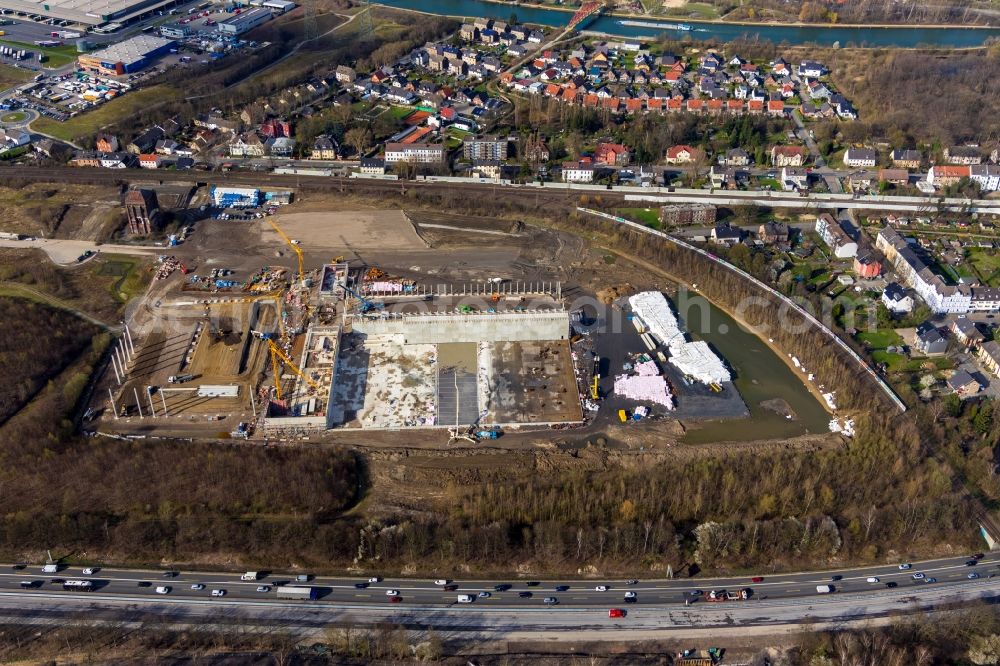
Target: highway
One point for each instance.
(778, 599)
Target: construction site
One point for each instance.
(283, 347)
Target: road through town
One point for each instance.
(519, 607)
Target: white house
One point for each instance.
(896, 299)
(987, 176)
(577, 172)
(835, 237)
(861, 157)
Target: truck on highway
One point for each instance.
(297, 592)
(250, 575)
(724, 595)
(78, 585)
(824, 589)
(51, 567)
(179, 379)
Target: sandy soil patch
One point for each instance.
(347, 230)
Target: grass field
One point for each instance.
(987, 263)
(13, 117)
(648, 216)
(12, 76)
(58, 55)
(91, 122)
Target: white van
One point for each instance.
(824, 589)
(163, 589)
(465, 598)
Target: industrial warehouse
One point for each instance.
(127, 57)
(87, 12)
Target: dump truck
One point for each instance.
(297, 592)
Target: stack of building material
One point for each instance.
(647, 369)
(654, 311)
(697, 360)
(644, 389)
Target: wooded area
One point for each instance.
(39, 342)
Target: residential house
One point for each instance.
(835, 237)
(280, 146)
(487, 169)
(861, 157)
(894, 176)
(117, 160)
(989, 356)
(612, 154)
(967, 332)
(723, 234)
(149, 161)
(790, 156)
(107, 143)
(943, 176)
(867, 265)
(964, 384)
(146, 142)
(773, 233)
(345, 75)
(811, 69)
(680, 155)
(906, 158)
(964, 155)
(535, 150)
(247, 144)
(699, 214)
(896, 299)
(485, 148)
(931, 340)
(794, 179)
(421, 153)
(735, 157)
(578, 172)
(85, 158)
(987, 176)
(372, 166)
(324, 148)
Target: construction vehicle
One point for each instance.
(179, 379)
(622, 415)
(276, 353)
(716, 388)
(493, 433)
(292, 244)
(597, 377)
(366, 305)
(456, 433)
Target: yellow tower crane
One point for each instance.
(292, 244)
(276, 354)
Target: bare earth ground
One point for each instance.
(347, 230)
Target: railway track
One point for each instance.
(299, 182)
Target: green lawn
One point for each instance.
(400, 112)
(987, 262)
(880, 339)
(701, 10)
(648, 216)
(13, 117)
(58, 55)
(13, 76)
(92, 121)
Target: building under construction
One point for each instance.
(395, 354)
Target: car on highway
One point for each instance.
(930, 580)
(917, 576)
(451, 587)
(218, 593)
(501, 587)
(263, 588)
(361, 586)
(163, 589)
(524, 595)
(873, 579)
(601, 588)
(30, 584)
(391, 593)
(375, 579)
(197, 586)
(757, 579)
(532, 583)
(561, 588)
(630, 595)
(466, 598)
(143, 583)
(304, 578)
(836, 577)
(171, 574)
(89, 571)
(631, 581)
(550, 601)
(973, 576)
(442, 581)
(19, 567)
(396, 599)
(617, 612)
(484, 595)
(977, 556)
(891, 584)
(696, 593)
(971, 563)
(905, 566)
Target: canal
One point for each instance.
(763, 379)
(908, 36)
